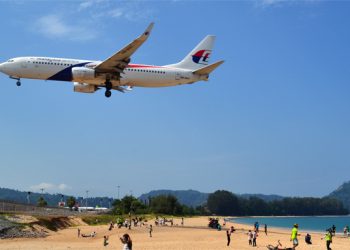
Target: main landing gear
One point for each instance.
(18, 83)
(109, 86)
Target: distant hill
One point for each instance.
(52, 199)
(194, 198)
(265, 197)
(342, 193)
(190, 197)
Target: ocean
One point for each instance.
(307, 223)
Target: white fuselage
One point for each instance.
(82, 71)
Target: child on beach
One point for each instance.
(105, 240)
(308, 239)
(250, 237)
(126, 241)
(255, 235)
(150, 230)
(228, 234)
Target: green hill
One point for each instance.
(342, 193)
(189, 198)
(194, 198)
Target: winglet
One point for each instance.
(148, 30)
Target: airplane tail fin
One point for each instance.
(199, 56)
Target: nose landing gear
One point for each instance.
(108, 93)
(18, 83)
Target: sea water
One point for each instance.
(307, 223)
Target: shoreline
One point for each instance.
(304, 229)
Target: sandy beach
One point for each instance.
(193, 235)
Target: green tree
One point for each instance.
(166, 204)
(128, 204)
(223, 202)
(71, 202)
(42, 202)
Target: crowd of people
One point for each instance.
(128, 223)
(214, 223)
(253, 235)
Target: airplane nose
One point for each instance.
(2, 67)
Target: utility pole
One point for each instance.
(118, 191)
(87, 195)
(28, 197)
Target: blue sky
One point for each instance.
(274, 118)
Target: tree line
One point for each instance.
(224, 202)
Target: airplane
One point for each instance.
(116, 72)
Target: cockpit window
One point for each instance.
(11, 60)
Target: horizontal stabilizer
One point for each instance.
(122, 89)
(208, 69)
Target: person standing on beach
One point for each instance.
(182, 221)
(294, 236)
(78, 232)
(255, 235)
(105, 240)
(328, 238)
(150, 231)
(228, 234)
(333, 230)
(265, 229)
(250, 237)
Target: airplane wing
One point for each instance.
(118, 62)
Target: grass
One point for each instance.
(101, 219)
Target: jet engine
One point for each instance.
(84, 88)
(83, 74)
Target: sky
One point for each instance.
(273, 119)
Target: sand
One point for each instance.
(193, 235)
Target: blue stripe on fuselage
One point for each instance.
(66, 74)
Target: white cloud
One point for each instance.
(129, 10)
(116, 13)
(89, 3)
(271, 2)
(86, 20)
(85, 5)
(49, 187)
(63, 187)
(54, 26)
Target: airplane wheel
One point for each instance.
(108, 93)
(18, 83)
